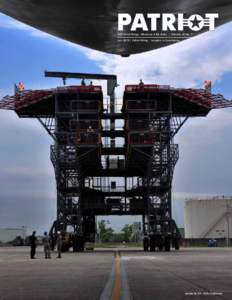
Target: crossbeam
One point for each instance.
(80, 75)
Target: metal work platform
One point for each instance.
(104, 169)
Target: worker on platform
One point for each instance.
(141, 84)
(208, 86)
(33, 241)
(90, 129)
(83, 82)
(146, 242)
(46, 244)
(52, 242)
(91, 83)
(21, 87)
(59, 242)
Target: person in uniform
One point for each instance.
(141, 84)
(46, 244)
(33, 240)
(59, 243)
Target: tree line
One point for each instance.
(107, 234)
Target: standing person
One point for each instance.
(53, 242)
(59, 243)
(33, 240)
(90, 129)
(46, 243)
(146, 242)
(141, 84)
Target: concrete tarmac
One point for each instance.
(117, 274)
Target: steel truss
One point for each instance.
(153, 115)
(157, 222)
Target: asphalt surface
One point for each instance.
(200, 273)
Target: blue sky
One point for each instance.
(25, 56)
(27, 186)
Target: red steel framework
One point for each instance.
(198, 96)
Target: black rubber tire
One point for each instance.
(167, 244)
(152, 245)
(146, 248)
(161, 248)
(176, 244)
(146, 244)
(152, 248)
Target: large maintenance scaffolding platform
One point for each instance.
(111, 161)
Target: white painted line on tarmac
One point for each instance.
(139, 257)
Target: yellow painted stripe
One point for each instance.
(117, 284)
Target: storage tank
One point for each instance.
(208, 218)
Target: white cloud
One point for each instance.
(208, 130)
(185, 64)
(10, 120)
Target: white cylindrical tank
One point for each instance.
(208, 218)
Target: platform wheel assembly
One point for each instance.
(160, 247)
(146, 243)
(176, 243)
(167, 244)
(152, 244)
(78, 244)
(145, 248)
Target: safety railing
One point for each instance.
(110, 189)
(113, 163)
(141, 104)
(197, 96)
(86, 105)
(146, 87)
(65, 154)
(79, 88)
(79, 138)
(157, 125)
(138, 124)
(87, 125)
(141, 139)
(115, 108)
(29, 97)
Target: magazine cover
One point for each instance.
(115, 149)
